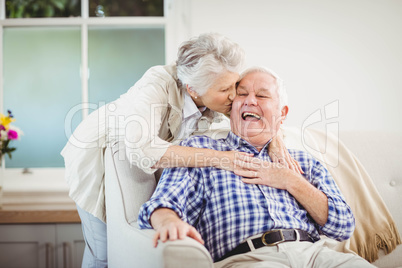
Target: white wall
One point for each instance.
(347, 52)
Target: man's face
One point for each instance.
(256, 115)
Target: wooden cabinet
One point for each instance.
(41, 245)
(70, 245)
(39, 223)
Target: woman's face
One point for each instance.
(220, 95)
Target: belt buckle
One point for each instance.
(274, 243)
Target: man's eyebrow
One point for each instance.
(264, 89)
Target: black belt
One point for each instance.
(270, 238)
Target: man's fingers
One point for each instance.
(274, 158)
(163, 235)
(294, 166)
(155, 239)
(183, 233)
(254, 165)
(251, 181)
(246, 173)
(244, 157)
(282, 161)
(190, 232)
(299, 168)
(194, 234)
(289, 163)
(242, 164)
(172, 232)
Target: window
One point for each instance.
(42, 8)
(110, 8)
(61, 54)
(41, 83)
(72, 8)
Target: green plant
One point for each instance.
(42, 8)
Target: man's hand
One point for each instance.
(262, 172)
(169, 226)
(279, 154)
(280, 177)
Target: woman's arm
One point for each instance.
(182, 156)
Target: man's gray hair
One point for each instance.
(201, 59)
(283, 96)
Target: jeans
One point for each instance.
(94, 230)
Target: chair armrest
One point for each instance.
(129, 246)
(179, 253)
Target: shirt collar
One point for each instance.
(190, 108)
(235, 141)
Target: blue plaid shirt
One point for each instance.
(226, 211)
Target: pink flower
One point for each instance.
(2, 128)
(12, 134)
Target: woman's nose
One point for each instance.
(232, 94)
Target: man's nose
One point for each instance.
(251, 99)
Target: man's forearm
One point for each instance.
(314, 201)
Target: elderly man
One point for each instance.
(261, 214)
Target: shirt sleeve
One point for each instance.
(179, 190)
(340, 224)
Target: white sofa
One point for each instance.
(128, 246)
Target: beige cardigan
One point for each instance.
(148, 118)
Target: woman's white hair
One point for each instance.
(283, 96)
(201, 59)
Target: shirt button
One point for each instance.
(392, 183)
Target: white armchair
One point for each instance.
(128, 246)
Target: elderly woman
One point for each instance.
(166, 105)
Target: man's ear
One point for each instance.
(284, 112)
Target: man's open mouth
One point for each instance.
(248, 115)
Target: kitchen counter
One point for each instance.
(36, 196)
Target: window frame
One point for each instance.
(174, 22)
